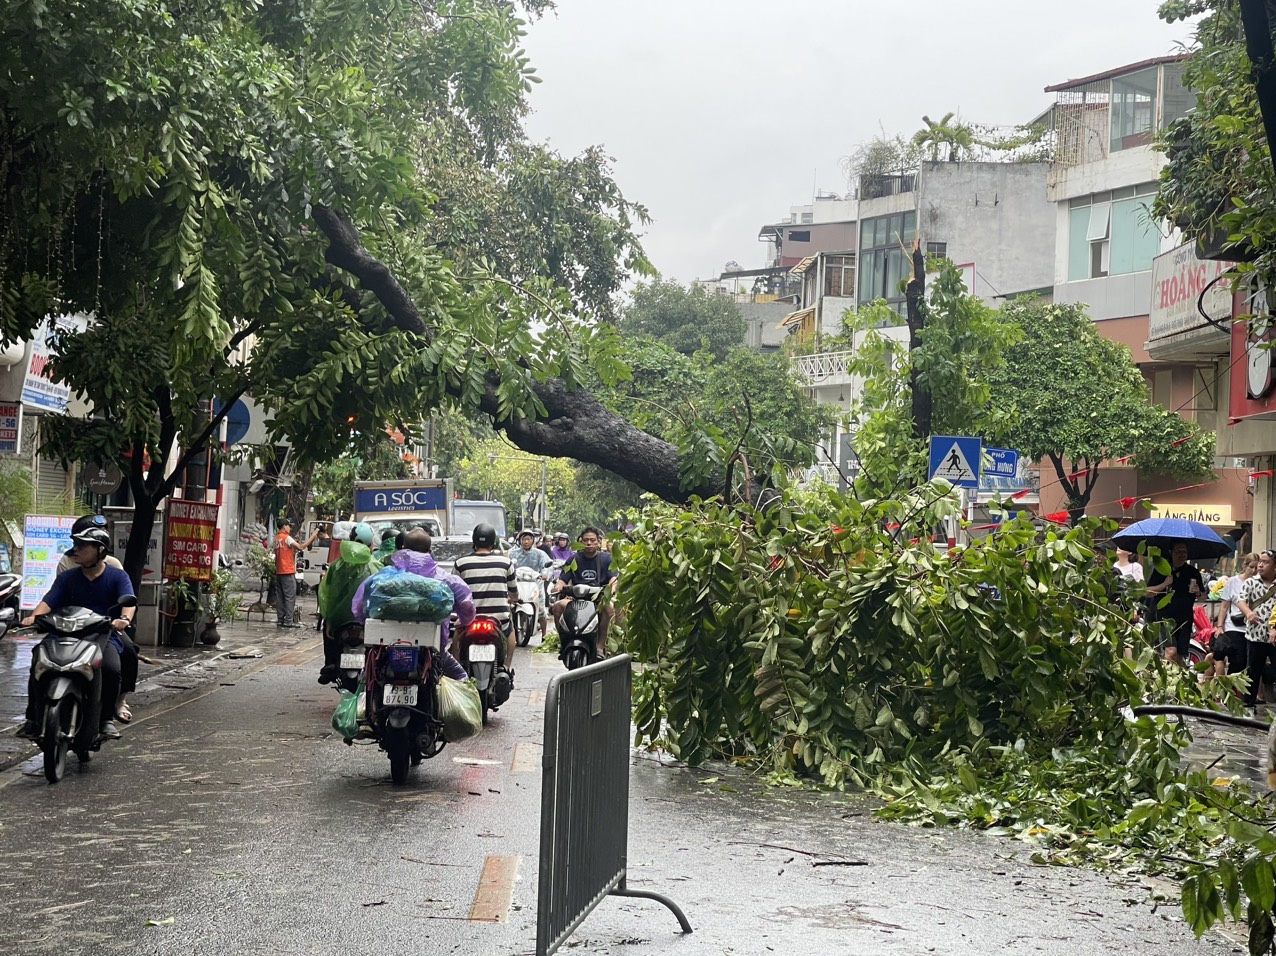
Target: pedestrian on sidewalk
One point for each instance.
(1229, 651)
(1257, 601)
(286, 551)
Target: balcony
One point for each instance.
(823, 368)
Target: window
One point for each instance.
(799, 235)
(839, 276)
(1111, 237)
(883, 256)
(939, 249)
(1133, 109)
(808, 218)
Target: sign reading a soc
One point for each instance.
(385, 500)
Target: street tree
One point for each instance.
(940, 380)
(242, 197)
(685, 319)
(1078, 401)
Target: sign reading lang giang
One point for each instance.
(192, 536)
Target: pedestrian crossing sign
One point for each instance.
(956, 459)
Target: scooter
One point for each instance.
(64, 665)
(578, 626)
(10, 593)
(353, 657)
(527, 613)
(479, 650)
(401, 704)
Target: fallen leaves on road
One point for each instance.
(169, 921)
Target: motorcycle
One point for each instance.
(401, 703)
(527, 613)
(353, 657)
(578, 626)
(10, 594)
(479, 650)
(64, 665)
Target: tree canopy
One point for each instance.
(1078, 400)
(299, 204)
(687, 320)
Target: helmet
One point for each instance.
(363, 533)
(484, 536)
(90, 536)
(86, 522)
(527, 533)
(562, 535)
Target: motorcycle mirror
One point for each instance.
(8, 614)
(129, 600)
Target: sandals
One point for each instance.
(123, 714)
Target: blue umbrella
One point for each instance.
(1162, 533)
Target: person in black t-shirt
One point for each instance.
(1184, 585)
(590, 566)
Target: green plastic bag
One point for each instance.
(460, 709)
(345, 719)
(337, 589)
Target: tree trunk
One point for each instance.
(576, 425)
(299, 497)
(914, 295)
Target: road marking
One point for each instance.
(536, 698)
(495, 893)
(476, 762)
(527, 758)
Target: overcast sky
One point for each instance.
(721, 114)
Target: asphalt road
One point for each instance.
(237, 822)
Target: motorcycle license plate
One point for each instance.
(483, 652)
(396, 695)
(352, 662)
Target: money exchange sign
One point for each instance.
(192, 536)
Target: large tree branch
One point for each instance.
(576, 424)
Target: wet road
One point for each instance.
(239, 824)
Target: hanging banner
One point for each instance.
(45, 539)
(39, 391)
(192, 540)
(10, 427)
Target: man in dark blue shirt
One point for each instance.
(93, 585)
(590, 566)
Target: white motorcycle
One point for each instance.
(530, 610)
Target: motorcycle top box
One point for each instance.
(416, 633)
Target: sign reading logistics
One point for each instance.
(45, 539)
(956, 459)
(10, 427)
(1205, 514)
(39, 390)
(192, 535)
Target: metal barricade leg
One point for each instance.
(623, 890)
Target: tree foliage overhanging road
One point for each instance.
(336, 212)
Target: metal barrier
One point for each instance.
(585, 800)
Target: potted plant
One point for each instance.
(185, 608)
(220, 600)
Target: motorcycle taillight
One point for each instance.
(483, 627)
(401, 660)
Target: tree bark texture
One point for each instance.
(914, 294)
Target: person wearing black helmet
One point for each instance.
(490, 578)
(93, 585)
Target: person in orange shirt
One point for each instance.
(286, 550)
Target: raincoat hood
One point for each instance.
(415, 562)
(561, 554)
(355, 553)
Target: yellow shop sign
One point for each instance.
(1205, 514)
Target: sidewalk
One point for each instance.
(178, 670)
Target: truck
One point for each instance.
(405, 504)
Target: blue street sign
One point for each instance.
(956, 459)
(1003, 463)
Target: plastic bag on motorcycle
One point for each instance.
(394, 595)
(337, 589)
(345, 719)
(460, 709)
